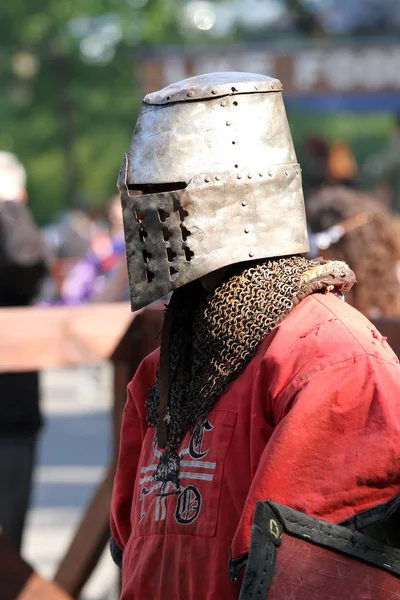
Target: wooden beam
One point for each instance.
(14, 572)
(37, 588)
(91, 537)
(42, 338)
(19, 582)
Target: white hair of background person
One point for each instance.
(12, 178)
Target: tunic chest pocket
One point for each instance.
(193, 510)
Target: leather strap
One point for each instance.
(162, 431)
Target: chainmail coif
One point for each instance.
(213, 338)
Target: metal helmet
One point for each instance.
(213, 159)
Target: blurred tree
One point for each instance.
(305, 19)
(68, 97)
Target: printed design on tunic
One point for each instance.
(193, 468)
(196, 441)
(188, 505)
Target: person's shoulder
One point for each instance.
(323, 330)
(345, 328)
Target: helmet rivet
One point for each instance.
(251, 254)
(287, 173)
(249, 176)
(214, 92)
(270, 173)
(272, 86)
(244, 203)
(256, 87)
(229, 123)
(223, 103)
(261, 175)
(218, 177)
(190, 94)
(247, 230)
(239, 176)
(207, 179)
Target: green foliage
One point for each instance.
(66, 109)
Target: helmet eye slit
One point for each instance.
(157, 188)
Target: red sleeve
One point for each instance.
(335, 449)
(129, 451)
(132, 433)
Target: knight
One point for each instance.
(269, 418)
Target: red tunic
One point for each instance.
(313, 423)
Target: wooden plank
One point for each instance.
(41, 338)
(19, 582)
(91, 537)
(37, 588)
(14, 572)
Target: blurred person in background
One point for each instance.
(350, 226)
(328, 164)
(70, 235)
(68, 239)
(101, 275)
(316, 162)
(342, 168)
(22, 267)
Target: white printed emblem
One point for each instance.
(193, 468)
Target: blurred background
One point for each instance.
(72, 75)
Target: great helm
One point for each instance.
(213, 159)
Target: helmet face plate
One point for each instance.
(173, 238)
(220, 185)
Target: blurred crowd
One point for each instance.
(83, 250)
(86, 257)
(78, 259)
(361, 228)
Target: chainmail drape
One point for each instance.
(214, 337)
